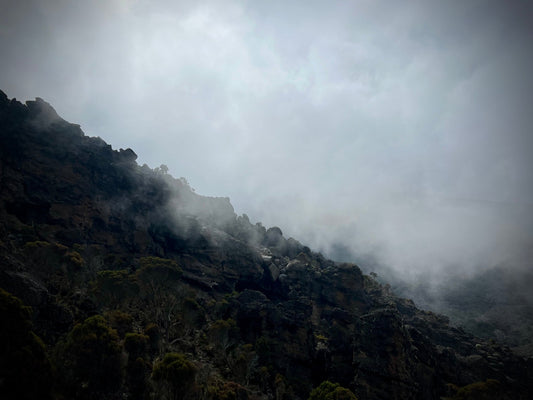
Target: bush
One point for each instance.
(119, 320)
(158, 269)
(25, 370)
(92, 358)
(488, 390)
(114, 286)
(229, 391)
(331, 391)
(136, 378)
(136, 345)
(177, 373)
(154, 335)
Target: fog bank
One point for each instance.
(400, 131)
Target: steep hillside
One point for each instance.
(141, 288)
(496, 303)
(491, 303)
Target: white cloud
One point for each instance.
(401, 129)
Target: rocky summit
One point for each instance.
(118, 281)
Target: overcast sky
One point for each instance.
(401, 129)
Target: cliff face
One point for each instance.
(86, 231)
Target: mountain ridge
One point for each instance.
(89, 239)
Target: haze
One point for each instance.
(400, 130)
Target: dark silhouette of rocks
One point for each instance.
(71, 207)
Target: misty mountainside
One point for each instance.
(494, 303)
(490, 303)
(119, 281)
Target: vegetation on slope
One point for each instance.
(140, 288)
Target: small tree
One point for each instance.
(157, 276)
(177, 373)
(25, 370)
(113, 287)
(137, 373)
(120, 321)
(92, 358)
(223, 335)
(331, 391)
(159, 279)
(487, 390)
(137, 369)
(154, 336)
(229, 391)
(136, 345)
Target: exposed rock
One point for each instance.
(274, 272)
(77, 219)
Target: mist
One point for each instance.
(400, 131)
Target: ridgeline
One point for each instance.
(119, 281)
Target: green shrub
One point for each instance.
(137, 373)
(229, 391)
(136, 345)
(161, 268)
(75, 259)
(138, 369)
(223, 335)
(193, 313)
(154, 335)
(92, 357)
(25, 369)
(331, 391)
(177, 373)
(114, 286)
(488, 390)
(119, 320)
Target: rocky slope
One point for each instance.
(180, 279)
(491, 303)
(496, 303)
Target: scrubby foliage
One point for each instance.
(91, 357)
(487, 390)
(177, 373)
(331, 391)
(25, 370)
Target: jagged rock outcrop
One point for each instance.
(84, 230)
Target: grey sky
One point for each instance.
(402, 129)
